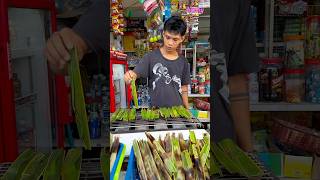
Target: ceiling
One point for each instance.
(137, 11)
(133, 4)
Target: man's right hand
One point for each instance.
(129, 76)
(58, 47)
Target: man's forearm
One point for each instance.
(184, 95)
(185, 100)
(239, 99)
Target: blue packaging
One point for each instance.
(94, 126)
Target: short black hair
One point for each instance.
(175, 25)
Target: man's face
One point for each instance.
(172, 41)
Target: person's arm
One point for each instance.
(89, 33)
(58, 47)
(185, 96)
(185, 81)
(129, 76)
(243, 60)
(239, 101)
(141, 70)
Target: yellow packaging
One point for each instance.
(202, 114)
(297, 166)
(128, 43)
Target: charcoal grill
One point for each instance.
(140, 125)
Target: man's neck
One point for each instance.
(169, 54)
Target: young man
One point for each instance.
(168, 73)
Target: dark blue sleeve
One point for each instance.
(143, 67)
(92, 26)
(185, 79)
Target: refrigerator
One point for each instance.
(120, 93)
(33, 102)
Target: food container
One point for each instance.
(202, 77)
(207, 87)
(296, 136)
(201, 105)
(312, 37)
(294, 85)
(313, 80)
(294, 51)
(201, 88)
(194, 87)
(271, 80)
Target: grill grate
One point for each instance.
(90, 169)
(155, 125)
(267, 175)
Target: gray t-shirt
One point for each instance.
(165, 78)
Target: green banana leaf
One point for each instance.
(53, 169)
(17, 167)
(78, 102)
(72, 164)
(35, 167)
(104, 163)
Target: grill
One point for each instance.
(267, 175)
(140, 125)
(90, 170)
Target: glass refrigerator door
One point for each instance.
(28, 29)
(119, 86)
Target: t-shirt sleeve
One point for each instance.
(92, 26)
(243, 57)
(142, 68)
(185, 79)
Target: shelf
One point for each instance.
(204, 16)
(282, 106)
(204, 120)
(290, 15)
(202, 43)
(127, 138)
(259, 45)
(198, 95)
(143, 107)
(278, 44)
(24, 100)
(187, 49)
(22, 53)
(101, 142)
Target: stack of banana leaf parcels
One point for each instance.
(131, 115)
(176, 158)
(171, 157)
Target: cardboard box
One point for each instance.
(200, 114)
(316, 167)
(272, 161)
(297, 166)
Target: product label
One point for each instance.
(195, 10)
